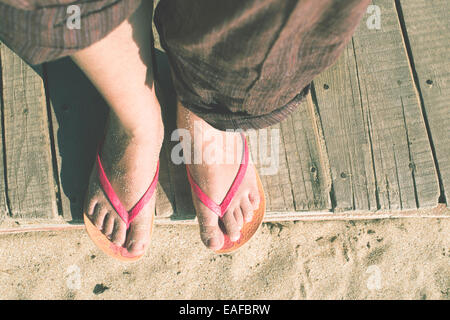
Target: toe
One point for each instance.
(108, 225)
(138, 238)
(247, 209)
(89, 209)
(254, 199)
(99, 216)
(231, 225)
(212, 237)
(210, 232)
(239, 217)
(119, 232)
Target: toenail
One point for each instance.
(211, 243)
(131, 245)
(235, 238)
(135, 247)
(249, 217)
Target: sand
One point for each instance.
(371, 259)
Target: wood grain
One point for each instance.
(307, 170)
(3, 203)
(31, 189)
(379, 153)
(428, 39)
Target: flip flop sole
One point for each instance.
(249, 228)
(108, 247)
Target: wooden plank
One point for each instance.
(345, 138)
(180, 192)
(428, 39)
(165, 206)
(79, 114)
(3, 204)
(376, 138)
(381, 87)
(307, 170)
(277, 184)
(31, 190)
(299, 182)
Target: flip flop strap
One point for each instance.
(126, 216)
(221, 208)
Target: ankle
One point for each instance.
(150, 132)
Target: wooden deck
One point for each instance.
(371, 140)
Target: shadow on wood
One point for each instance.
(78, 119)
(184, 208)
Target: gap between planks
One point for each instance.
(439, 212)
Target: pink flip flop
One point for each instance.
(101, 241)
(249, 228)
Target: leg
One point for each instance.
(245, 64)
(119, 66)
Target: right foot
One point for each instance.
(129, 160)
(120, 67)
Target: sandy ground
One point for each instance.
(373, 259)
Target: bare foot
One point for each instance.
(129, 160)
(215, 174)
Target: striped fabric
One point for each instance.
(235, 63)
(247, 63)
(37, 29)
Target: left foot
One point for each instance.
(215, 179)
